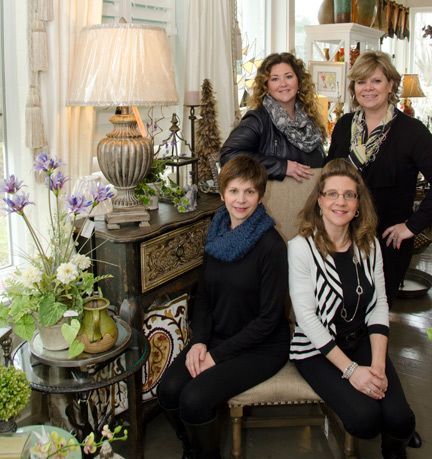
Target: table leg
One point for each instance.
(77, 413)
(136, 431)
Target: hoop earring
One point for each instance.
(357, 213)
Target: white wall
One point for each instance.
(417, 3)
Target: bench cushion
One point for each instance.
(285, 387)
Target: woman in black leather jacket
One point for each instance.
(284, 129)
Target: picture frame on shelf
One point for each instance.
(329, 79)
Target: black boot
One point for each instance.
(393, 448)
(204, 439)
(415, 441)
(179, 428)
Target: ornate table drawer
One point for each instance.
(172, 254)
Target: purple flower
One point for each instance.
(56, 182)
(77, 204)
(102, 193)
(11, 185)
(17, 202)
(44, 163)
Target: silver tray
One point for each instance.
(415, 284)
(85, 361)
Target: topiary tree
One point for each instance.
(14, 393)
(208, 137)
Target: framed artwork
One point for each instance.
(329, 79)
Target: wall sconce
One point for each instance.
(410, 88)
(122, 65)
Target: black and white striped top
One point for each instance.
(316, 294)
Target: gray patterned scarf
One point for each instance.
(301, 132)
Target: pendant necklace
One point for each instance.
(359, 291)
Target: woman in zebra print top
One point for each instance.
(337, 290)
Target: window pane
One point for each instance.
(422, 65)
(251, 17)
(306, 13)
(5, 248)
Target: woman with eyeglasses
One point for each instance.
(336, 285)
(389, 149)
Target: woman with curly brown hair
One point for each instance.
(337, 291)
(283, 129)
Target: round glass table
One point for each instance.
(51, 379)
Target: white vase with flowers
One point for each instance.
(51, 287)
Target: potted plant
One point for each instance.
(14, 396)
(182, 198)
(50, 290)
(147, 191)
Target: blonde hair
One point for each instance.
(306, 93)
(365, 66)
(362, 229)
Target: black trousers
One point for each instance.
(361, 415)
(396, 263)
(198, 398)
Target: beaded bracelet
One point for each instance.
(349, 370)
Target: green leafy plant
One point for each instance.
(53, 284)
(144, 192)
(14, 392)
(177, 196)
(56, 447)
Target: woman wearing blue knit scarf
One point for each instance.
(240, 336)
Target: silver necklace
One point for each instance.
(359, 291)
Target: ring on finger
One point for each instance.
(369, 390)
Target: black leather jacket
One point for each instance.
(256, 134)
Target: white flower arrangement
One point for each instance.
(56, 281)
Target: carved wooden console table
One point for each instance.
(159, 259)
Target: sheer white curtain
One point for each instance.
(69, 129)
(209, 55)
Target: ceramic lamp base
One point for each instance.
(125, 157)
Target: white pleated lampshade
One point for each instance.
(122, 64)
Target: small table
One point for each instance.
(69, 380)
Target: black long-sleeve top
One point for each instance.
(392, 177)
(258, 136)
(241, 305)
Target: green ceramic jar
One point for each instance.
(98, 330)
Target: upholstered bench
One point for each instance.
(287, 387)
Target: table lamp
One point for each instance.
(122, 65)
(410, 88)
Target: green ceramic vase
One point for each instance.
(98, 330)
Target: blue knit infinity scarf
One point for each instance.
(226, 244)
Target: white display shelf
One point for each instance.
(336, 36)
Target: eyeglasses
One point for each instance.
(333, 195)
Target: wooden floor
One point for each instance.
(411, 353)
